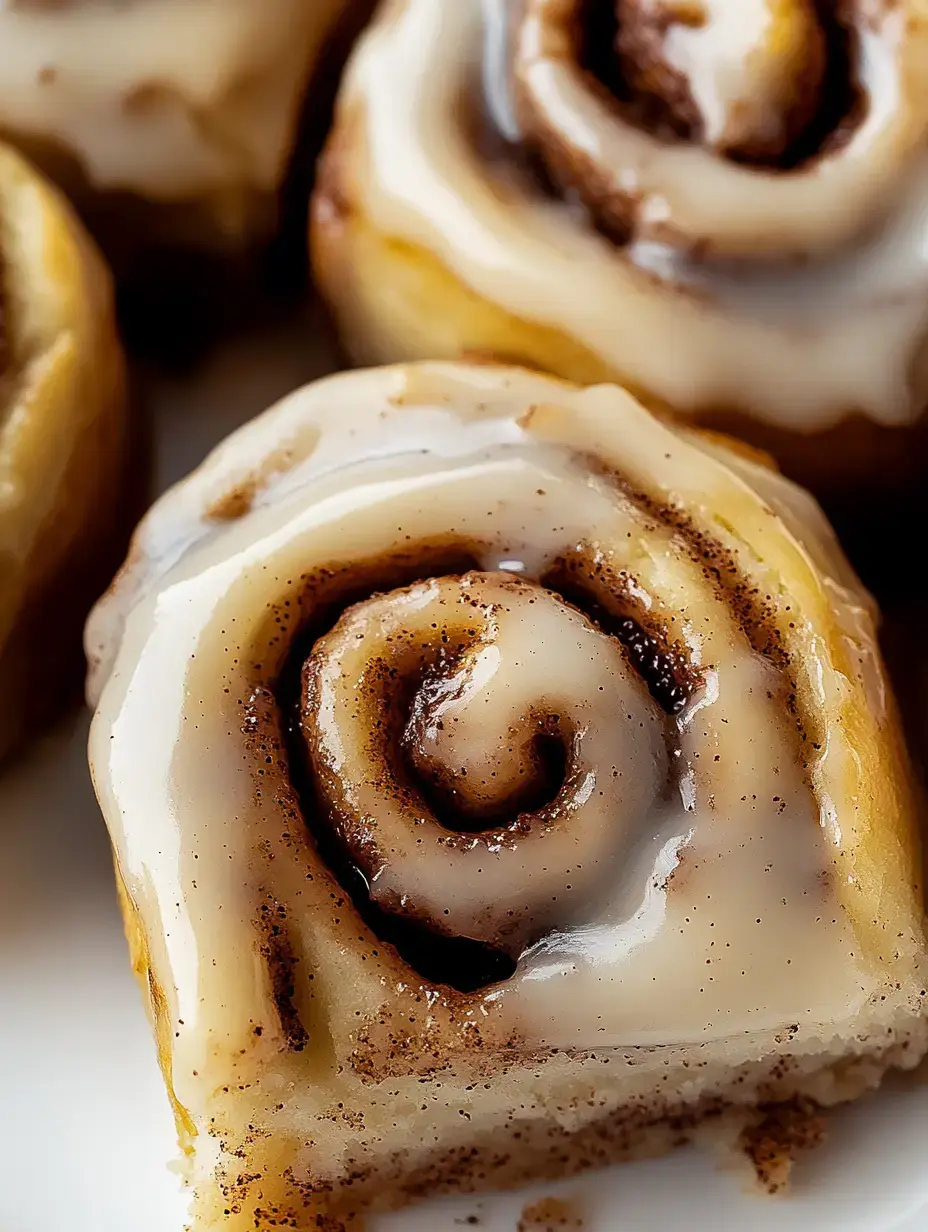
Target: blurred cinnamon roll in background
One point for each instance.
(62, 445)
(721, 203)
(500, 782)
(168, 122)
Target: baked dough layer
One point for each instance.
(63, 443)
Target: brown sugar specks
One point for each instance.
(773, 1145)
(549, 1215)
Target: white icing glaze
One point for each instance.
(796, 347)
(169, 100)
(715, 918)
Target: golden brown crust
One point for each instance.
(63, 445)
(431, 314)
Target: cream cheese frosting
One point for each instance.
(796, 295)
(685, 878)
(169, 101)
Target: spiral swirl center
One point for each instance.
(479, 778)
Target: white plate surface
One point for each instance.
(85, 1130)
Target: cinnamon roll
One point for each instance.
(62, 444)
(169, 123)
(500, 782)
(723, 206)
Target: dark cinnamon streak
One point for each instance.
(598, 592)
(754, 610)
(537, 790)
(277, 951)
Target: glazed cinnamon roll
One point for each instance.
(168, 122)
(721, 205)
(62, 444)
(499, 781)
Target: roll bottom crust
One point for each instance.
(396, 301)
(758, 1118)
(63, 446)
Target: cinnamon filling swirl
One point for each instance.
(426, 747)
(446, 761)
(476, 753)
(686, 120)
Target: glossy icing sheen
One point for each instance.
(170, 101)
(690, 881)
(798, 344)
